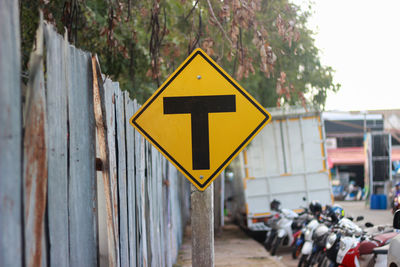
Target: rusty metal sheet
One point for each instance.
(10, 136)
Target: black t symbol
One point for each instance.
(199, 107)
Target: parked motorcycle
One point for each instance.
(281, 230)
(284, 223)
(301, 222)
(396, 203)
(342, 244)
(316, 209)
(396, 198)
(349, 246)
(317, 231)
(308, 242)
(304, 218)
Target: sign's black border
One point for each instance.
(166, 153)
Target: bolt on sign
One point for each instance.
(200, 119)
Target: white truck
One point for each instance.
(285, 161)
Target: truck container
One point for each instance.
(285, 161)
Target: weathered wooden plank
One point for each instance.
(10, 136)
(159, 206)
(138, 172)
(100, 116)
(122, 183)
(35, 159)
(130, 152)
(140, 198)
(176, 220)
(154, 201)
(160, 193)
(167, 212)
(109, 98)
(57, 136)
(146, 210)
(150, 164)
(82, 180)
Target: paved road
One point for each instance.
(354, 209)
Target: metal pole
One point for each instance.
(202, 221)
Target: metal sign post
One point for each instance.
(202, 221)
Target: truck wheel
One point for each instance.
(275, 245)
(303, 261)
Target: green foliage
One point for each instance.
(264, 44)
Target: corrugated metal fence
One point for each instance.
(55, 209)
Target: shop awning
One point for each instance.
(353, 155)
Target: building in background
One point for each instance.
(345, 135)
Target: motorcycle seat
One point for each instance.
(367, 247)
(384, 238)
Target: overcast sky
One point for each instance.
(360, 39)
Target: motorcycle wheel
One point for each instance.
(303, 261)
(322, 260)
(325, 262)
(313, 259)
(275, 245)
(296, 251)
(268, 242)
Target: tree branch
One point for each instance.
(219, 24)
(190, 12)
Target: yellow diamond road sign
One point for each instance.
(200, 119)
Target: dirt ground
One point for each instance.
(232, 248)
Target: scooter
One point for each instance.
(282, 232)
(342, 244)
(396, 203)
(302, 221)
(318, 250)
(308, 242)
(350, 247)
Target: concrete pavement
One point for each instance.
(232, 248)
